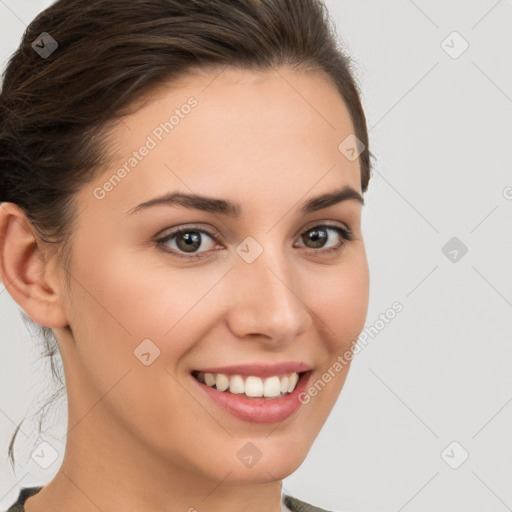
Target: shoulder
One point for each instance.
(25, 492)
(296, 505)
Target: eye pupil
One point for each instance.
(189, 240)
(317, 236)
(192, 240)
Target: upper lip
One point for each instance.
(258, 369)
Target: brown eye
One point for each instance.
(316, 237)
(187, 240)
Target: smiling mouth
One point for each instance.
(251, 386)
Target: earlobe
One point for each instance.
(26, 268)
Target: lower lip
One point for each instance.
(258, 409)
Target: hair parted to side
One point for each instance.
(56, 112)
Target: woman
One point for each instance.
(182, 186)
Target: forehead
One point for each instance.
(235, 132)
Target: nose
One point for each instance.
(267, 299)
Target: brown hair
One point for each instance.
(56, 111)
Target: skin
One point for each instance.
(144, 437)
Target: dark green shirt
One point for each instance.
(293, 504)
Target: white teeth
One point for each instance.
(272, 387)
(221, 382)
(253, 386)
(209, 379)
(292, 382)
(236, 384)
(284, 384)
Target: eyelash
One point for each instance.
(345, 233)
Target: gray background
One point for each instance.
(439, 372)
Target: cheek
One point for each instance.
(120, 308)
(340, 308)
(138, 296)
(341, 304)
(124, 315)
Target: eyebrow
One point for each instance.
(234, 209)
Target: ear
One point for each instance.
(28, 268)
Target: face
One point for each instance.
(264, 283)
